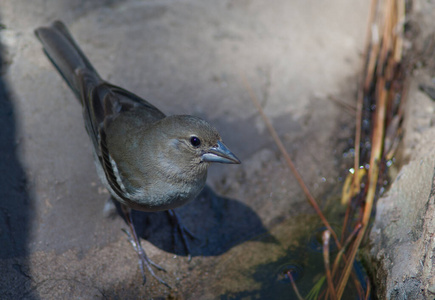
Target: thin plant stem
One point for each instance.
(345, 245)
(289, 162)
(326, 237)
(295, 288)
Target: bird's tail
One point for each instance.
(66, 55)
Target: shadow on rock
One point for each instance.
(218, 224)
(15, 202)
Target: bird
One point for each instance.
(148, 161)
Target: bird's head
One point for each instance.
(195, 142)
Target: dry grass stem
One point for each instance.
(289, 161)
(385, 61)
(295, 288)
(331, 290)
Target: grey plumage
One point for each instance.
(144, 158)
(147, 161)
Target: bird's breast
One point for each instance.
(167, 194)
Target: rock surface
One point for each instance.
(186, 57)
(402, 240)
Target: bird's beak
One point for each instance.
(221, 154)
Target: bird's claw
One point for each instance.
(144, 260)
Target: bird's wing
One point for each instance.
(103, 103)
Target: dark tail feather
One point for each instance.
(65, 54)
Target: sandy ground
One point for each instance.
(186, 57)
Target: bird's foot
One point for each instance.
(145, 261)
(135, 242)
(182, 230)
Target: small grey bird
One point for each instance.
(148, 161)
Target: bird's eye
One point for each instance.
(195, 141)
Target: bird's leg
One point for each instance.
(135, 242)
(177, 225)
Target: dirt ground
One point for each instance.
(186, 57)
